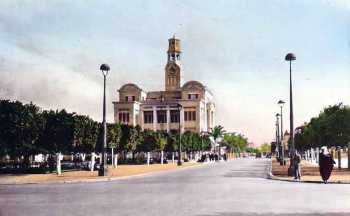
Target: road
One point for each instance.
(237, 187)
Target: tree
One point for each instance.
(330, 128)
(114, 135)
(235, 142)
(148, 142)
(161, 141)
(217, 132)
(58, 132)
(265, 148)
(20, 127)
(86, 132)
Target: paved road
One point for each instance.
(238, 187)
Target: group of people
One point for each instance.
(210, 156)
(326, 164)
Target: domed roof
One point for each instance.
(193, 85)
(129, 86)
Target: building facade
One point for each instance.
(188, 107)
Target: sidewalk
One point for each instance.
(310, 173)
(87, 176)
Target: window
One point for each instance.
(130, 98)
(192, 96)
(148, 117)
(124, 117)
(190, 115)
(161, 116)
(174, 116)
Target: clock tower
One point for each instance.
(173, 66)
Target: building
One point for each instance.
(189, 106)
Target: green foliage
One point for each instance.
(114, 135)
(26, 130)
(252, 150)
(235, 142)
(58, 132)
(172, 143)
(20, 127)
(330, 128)
(266, 148)
(86, 132)
(161, 141)
(217, 132)
(148, 142)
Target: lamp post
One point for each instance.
(291, 57)
(179, 160)
(281, 103)
(277, 147)
(103, 171)
(278, 143)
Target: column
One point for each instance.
(142, 121)
(168, 119)
(339, 158)
(182, 120)
(154, 118)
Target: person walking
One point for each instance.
(297, 166)
(326, 164)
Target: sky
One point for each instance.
(50, 53)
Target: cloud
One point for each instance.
(236, 48)
(48, 84)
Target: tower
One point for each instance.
(173, 66)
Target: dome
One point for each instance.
(130, 87)
(193, 85)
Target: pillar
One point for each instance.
(339, 158)
(168, 119)
(148, 158)
(112, 155)
(58, 163)
(115, 160)
(92, 163)
(154, 118)
(182, 120)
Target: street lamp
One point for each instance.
(281, 103)
(179, 160)
(103, 171)
(277, 146)
(278, 143)
(291, 57)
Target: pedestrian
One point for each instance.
(225, 157)
(326, 164)
(297, 166)
(51, 163)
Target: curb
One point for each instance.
(104, 179)
(275, 178)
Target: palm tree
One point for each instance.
(216, 132)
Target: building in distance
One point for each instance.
(159, 110)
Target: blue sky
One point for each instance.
(50, 52)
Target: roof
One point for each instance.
(129, 86)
